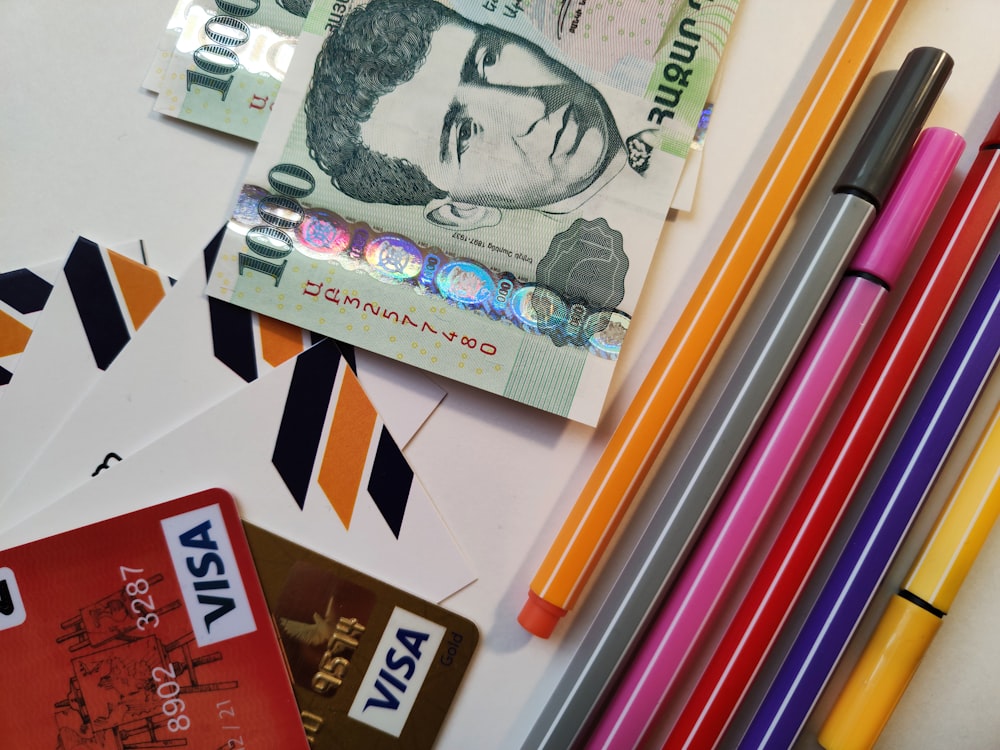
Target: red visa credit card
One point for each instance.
(145, 630)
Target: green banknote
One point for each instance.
(220, 63)
(475, 188)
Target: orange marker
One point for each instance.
(713, 307)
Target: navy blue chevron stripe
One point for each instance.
(389, 484)
(232, 326)
(232, 338)
(301, 430)
(348, 352)
(24, 290)
(96, 302)
(211, 251)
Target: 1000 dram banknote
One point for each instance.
(220, 63)
(475, 188)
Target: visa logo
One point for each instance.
(208, 575)
(398, 669)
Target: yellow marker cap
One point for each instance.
(880, 676)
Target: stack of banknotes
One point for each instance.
(473, 188)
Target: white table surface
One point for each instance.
(82, 153)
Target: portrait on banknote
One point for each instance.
(296, 7)
(490, 120)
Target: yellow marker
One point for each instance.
(715, 304)
(914, 615)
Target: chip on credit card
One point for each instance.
(145, 630)
(373, 666)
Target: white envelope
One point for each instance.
(23, 295)
(98, 302)
(306, 457)
(193, 352)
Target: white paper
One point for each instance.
(231, 446)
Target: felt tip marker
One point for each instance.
(708, 316)
(880, 530)
(858, 194)
(915, 614)
(706, 582)
(847, 453)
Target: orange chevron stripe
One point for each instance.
(14, 335)
(347, 446)
(279, 341)
(141, 286)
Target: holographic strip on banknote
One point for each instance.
(466, 284)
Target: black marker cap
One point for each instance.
(890, 136)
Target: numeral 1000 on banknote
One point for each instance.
(270, 241)
(220, 59)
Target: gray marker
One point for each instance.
(713, 458)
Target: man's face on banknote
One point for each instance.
(411, 103)
(490, 119)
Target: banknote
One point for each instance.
(474, 188)
(220, 63)
(165, 45)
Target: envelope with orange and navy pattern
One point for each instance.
(307, 457)
(92, 312)
(23, 294)
(193, 352)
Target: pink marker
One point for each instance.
(779, 448)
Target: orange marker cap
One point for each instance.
(540, 617)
